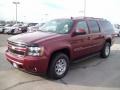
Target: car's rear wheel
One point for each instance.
(12, 32)
(58, 66)
(105, 52)
(119, 34)
(23, 31)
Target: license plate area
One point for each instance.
(15, 65)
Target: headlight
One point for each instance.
(35, 51)
(20, 29)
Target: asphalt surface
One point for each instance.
(94, 73)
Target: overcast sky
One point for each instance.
(37, 10)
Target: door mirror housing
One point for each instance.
(80, 32)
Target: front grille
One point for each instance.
(16, 48)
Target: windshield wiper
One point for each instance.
(46, 31)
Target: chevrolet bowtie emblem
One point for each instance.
(13, 47)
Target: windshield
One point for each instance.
(1, 24)
(39, 25)
(60, 26)
(8, 25)
(116, 26)
(17, 25)
(25, 24)
(32, 24)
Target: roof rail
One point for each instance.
(77, 17)
(86, 18)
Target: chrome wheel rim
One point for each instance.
(107, 50)
(60, 66)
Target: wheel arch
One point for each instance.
(63, 50)
(109, 40)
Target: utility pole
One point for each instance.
(16, 3)
(84, 8)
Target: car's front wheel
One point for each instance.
(119, 34)
(58, 66)
(105, 52)
(3, 30)
(12, 32)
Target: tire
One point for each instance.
(3, 31)
(119, 34)
(12, 32)
(23, 31)
(55, 71)
(105, 52)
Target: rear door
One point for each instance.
(97, 38)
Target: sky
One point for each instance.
(41, 10)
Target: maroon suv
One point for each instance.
(57, 43)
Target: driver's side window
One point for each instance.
(82, 25)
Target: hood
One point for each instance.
(32, 37)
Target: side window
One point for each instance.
(82, 25)
(107, 26)
(93, 26)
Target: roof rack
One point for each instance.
(86, 18)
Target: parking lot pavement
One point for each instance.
(93, 74)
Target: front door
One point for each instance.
(81, 43)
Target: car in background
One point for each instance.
(15, 29)
(5, 28)
(116, 29)
(31, 25)
(1, 28)
(35, 28)
(24, 27)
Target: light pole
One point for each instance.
(16, 3)
(84, 8)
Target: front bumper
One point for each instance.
(29, 63)
(17, 31)
(6, 31)
(1, 29)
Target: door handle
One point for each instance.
(101, 36)
(88, 38)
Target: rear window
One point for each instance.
(107, 26)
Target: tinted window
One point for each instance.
(82, 25)
(107, 26)
(93, 26)
(117, 26)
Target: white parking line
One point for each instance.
(2, 49)
(116, 47)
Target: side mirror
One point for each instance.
(80, 32)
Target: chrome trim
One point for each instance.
(15, 61)
(19, 44)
